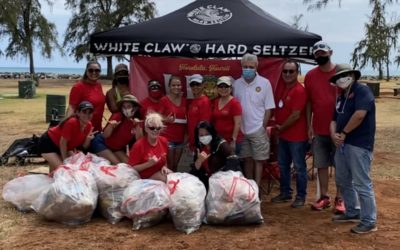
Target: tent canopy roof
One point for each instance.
(208, 28)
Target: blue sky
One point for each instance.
(341, 26)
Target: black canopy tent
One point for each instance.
(208, 28)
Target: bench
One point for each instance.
(396, 91)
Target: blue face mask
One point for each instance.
(248, 73)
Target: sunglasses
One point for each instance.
(288, 71)
(223, 86)
(195, 84)
(155, 128)
(94, 70)
(154, 87)
(321, 46)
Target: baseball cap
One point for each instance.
(321, 45)
(224, 80)
(196, 78)
(153, 83)
(85, 105)
(121, 67)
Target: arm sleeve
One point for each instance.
(74, 95)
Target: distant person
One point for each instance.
(321, 95)
(149, 154)
(199, 108)
(152, 104)
(174, 111)
(120, 87)
(212, 153)
(60, 142)
(353, 132)
(122, 128)
(227, 114)
(290, 117)
(254, 93)
(89, 89)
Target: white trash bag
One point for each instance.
(82, 161)
(111, 182)
(71, 199)
(22, 191)
(232, 200)
(146, 202)
(187, 207)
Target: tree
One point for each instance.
(25, 26)
(319, 4)
(380, 39)
(91, 16)
(296, 22)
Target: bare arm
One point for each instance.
(294, 116)
(146, 165)
(236, 126)
(309, 120)
(70, 110)
(111, 101)
(63, 148)
(267, 115)
(355, 121)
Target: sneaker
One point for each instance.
(339, 206)
(281, 198)
(345, 218)
(321, 203)
(298, 202)
(362, 229)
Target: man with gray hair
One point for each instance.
(254, 93)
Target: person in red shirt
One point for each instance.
(149, 154)
(320, 108)
(199, 108)
(291, 124)
(120, 87)
(152, 104)
(174, 111)
(227, 114)
(89, 89)
(60, 141)
(122, 128)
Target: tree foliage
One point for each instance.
(22, 22)
(90, 16)
(319, 4)
(380, 39)
(296, 22)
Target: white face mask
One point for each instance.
(344, 82)
(127, 112)
(205, 139)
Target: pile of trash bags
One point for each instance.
(72, 192)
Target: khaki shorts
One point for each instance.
(255, 145)
(323, 151)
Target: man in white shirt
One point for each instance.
(255, 95)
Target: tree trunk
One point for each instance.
(380, 76)
(387, 71)
(109, 67)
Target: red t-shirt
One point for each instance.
(174, 132)
(292, 99)
(83, 91)
(322, 96)
(199, 110)
(222, 119)
(71, 131)
(122, 134)
(142, 151)
(148, 106)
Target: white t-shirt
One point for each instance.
(255, 97)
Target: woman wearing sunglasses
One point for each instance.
(122, 129)
(227, 114)
(89, 89)
(120, 88)
(60, 141)
(149, 154)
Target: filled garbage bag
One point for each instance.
(232, 200)
(111, 182)
(82, 161)
(71, 199)
(22, 191)
(187, 207)
(146, 202)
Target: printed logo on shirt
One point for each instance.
(258, 89)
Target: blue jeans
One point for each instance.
(353, 165)
(295, 152)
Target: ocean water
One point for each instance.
(78, 71)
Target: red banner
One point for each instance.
(161, 69)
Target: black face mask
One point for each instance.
(123, 80)
(322, 60)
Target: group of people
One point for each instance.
(331, 110)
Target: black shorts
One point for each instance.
(46, 145)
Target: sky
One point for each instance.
(341, 27)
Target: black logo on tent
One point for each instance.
(209, 15)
